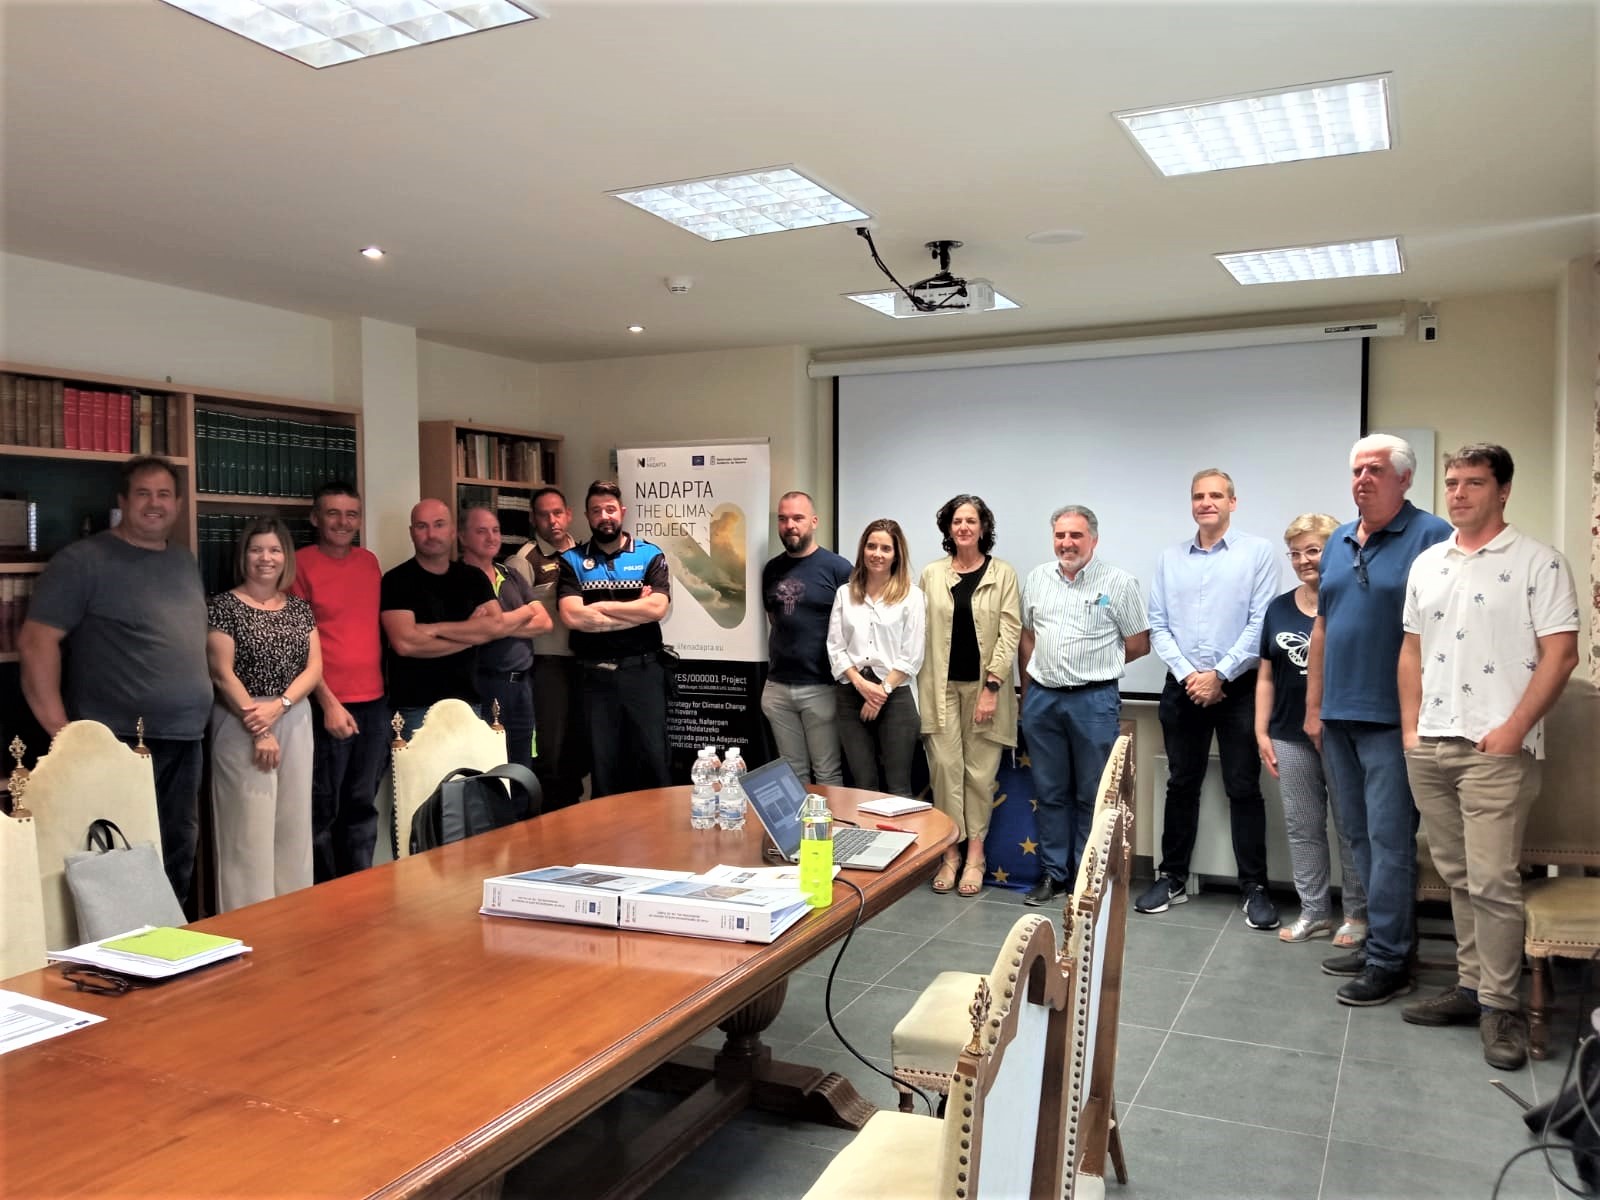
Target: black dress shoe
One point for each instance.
(1044, 891)
(1345, 964)
(1375, 985)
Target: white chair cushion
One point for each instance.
(929, 1037)
(895, 1154)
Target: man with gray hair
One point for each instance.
(1353, 704)
(1083, 620)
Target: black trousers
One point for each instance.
(177, 767)
(626, 709)
(879, 751)
(344, 789)
(563, 758)
(1187, 730)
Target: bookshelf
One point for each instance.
(463, 462)
(237, 455)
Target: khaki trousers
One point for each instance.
(962, 763)
(1474, 809)
(262, 818)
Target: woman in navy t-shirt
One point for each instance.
(1289, 754)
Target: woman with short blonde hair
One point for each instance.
(1290, 755)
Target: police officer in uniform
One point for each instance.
(613, 594)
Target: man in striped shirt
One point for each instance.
(1083, 621)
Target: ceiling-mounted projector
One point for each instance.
(945, 293)
(939, 293)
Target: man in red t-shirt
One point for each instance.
(341, 582)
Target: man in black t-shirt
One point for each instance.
(800, 700)
(435, 615)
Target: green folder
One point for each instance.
(168, 944)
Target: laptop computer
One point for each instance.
(776, 793)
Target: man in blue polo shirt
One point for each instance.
(613, 593)
(1353, 704)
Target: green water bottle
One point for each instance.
(816, 851)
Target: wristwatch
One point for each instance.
(991, 685)
(888, 689)
(287, 703)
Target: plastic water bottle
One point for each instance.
(703, 792)
(816, 851)
(731, 800)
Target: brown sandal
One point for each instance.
(945, 879)
(972, 878)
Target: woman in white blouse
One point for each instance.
(875, 646)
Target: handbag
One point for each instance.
(117, 889)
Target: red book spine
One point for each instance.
(70, 403)
(124, 423)
(98, 438)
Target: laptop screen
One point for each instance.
(776, 794)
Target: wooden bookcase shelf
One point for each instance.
(463, 462)
(329, 446)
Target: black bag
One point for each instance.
(469, 802)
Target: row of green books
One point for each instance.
(270, 456)
(218, 538)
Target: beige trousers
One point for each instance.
(1474, 809)
(962, 763)
(262, 818)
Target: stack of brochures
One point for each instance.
(152, 952)
(740, 904)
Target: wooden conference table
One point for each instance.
(384, 1039)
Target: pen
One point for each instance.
(894, 828)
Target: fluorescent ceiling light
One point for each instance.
(325, 33)
(884, 302)
(730, 206)
(1295, 264)
(1318, 120)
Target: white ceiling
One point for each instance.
(142, 141)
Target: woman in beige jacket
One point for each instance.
(964, 692)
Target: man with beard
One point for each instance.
(563, 758)
(800, 700)
(614, 592)
(435, 614)
(1083, 620)
(128, 608)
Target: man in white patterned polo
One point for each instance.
(1083, 621)
(1491, 635)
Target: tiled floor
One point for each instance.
(1238, 1075)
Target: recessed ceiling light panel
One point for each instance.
(883, 302)
(1318, 120)
(732, 206)
(372, 252)
(324, 33)
(1297, 264)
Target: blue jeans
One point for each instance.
(1069, 737)
(516, 710)
(411, 718)
(1367, 767)
(344, 789)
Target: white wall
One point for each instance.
(464, 385)
(74, 319)
(760, 393)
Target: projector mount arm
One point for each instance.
(940, 252)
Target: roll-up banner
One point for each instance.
(705, 506)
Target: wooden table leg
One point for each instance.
(717, 1086)
(792, 1089)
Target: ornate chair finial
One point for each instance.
(398, 724)
(494, 717)
(138, 730)
(979, 1012)
(18, 783)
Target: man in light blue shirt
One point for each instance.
(1206, 607)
